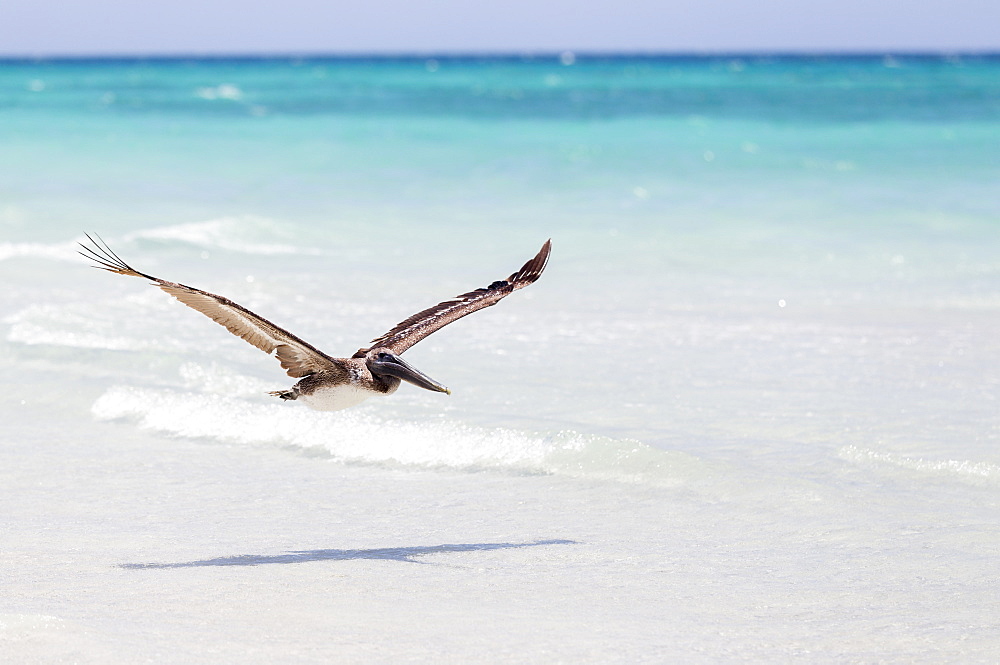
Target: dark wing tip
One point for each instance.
(99, 252)
(532, 270)
(106, 259)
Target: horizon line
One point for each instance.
(559, 54)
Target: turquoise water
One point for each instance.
(865, 134)
(768, 325)
(716, 185)
(719, 186)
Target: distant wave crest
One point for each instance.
(64, 251)
(70, 326)
(247, 234)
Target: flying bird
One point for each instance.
(327, 383)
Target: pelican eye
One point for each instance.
(383, 356)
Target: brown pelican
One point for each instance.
(326, 383)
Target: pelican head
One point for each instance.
(383, 362)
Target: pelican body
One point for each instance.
(327, 383)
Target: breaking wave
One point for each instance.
(360, 437)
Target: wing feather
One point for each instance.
(410, 331)
(297, 357)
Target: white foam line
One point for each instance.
(957, 467)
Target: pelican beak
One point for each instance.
(392, 365)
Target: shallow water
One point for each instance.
(754, 394)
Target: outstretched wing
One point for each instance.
(420, 325)
(297, 357)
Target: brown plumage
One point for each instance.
(407, 333)
(333, 383)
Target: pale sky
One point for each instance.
(135, 27)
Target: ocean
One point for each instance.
(749, 413)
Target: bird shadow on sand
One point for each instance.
(402, 554)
